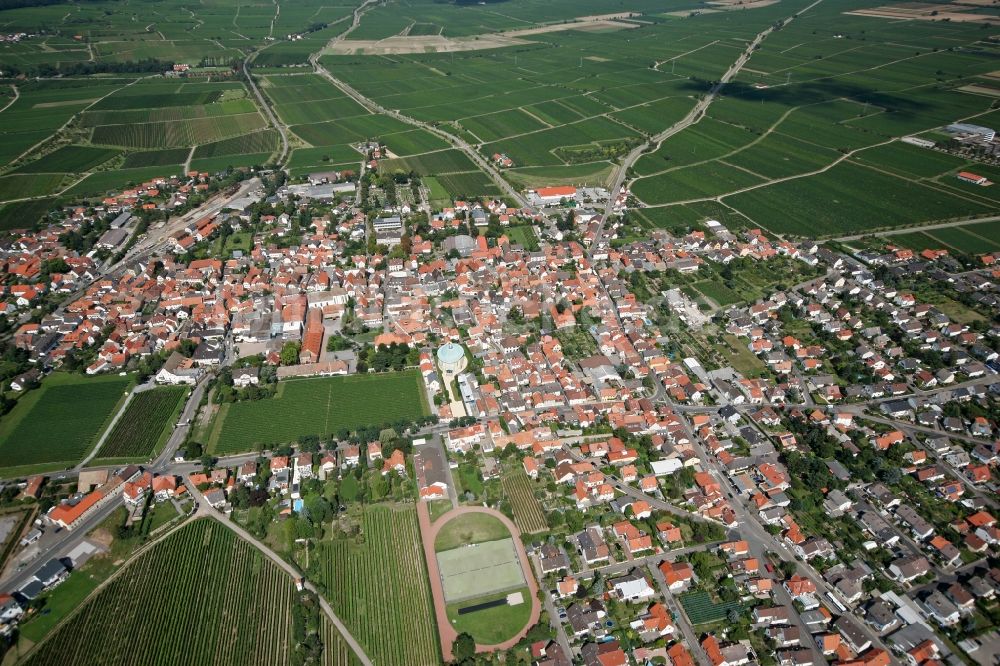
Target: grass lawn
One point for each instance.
(438, 508)
(742, 360)
(468, 476)
(59, 422)
(470, 528)
(319, 406)
(524, 236)
(491, 625)
(163, 513)
(58, 603)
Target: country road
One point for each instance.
(375, 107)
(692, 117)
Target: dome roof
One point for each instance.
(451, 353)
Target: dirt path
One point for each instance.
(17, 94)
(428, 534)
(205, 510)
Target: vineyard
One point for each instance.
(258, 142)
(58, 422)
(144, 424)
(176, 132)
(378, 586)
(528, 515)
(701, 609)
(202, 596)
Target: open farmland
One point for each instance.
(318, 407)
(828, 89)
(145, 424)
(378, 586)
(58, 423)
(202, 596)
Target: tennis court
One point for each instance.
(479, 569)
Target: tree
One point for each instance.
(463, 648)
(290, 353)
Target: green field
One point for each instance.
(378, 586)
(242, 612)
(145, 424)
(59, 422)
(318, 407)
(479, 568)
(469, 528)
(492, 625)
(700, 608)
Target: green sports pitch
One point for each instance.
(479, 569)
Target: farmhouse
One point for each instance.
(973, 178)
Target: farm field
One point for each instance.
(322, 406)
(228, 624)
(391, 599)
(56, 424)
(145, 425)
(528, 515)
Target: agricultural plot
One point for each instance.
(24, 214)
(23, 186)
(318, 407)
(701, 609)
(695, 182)
(97, 184)
(156, 158)
(528, 515)
(145, 424)
(242, 612)
(59, 422)
(69, 159)
(265, 141)
(445, 161)
(177, 132)
(963, 240)
(391, 599)
(848, 199)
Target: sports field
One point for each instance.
(480, 569)
(58, 423)
(318, 407)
